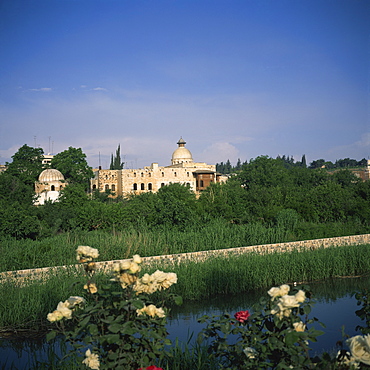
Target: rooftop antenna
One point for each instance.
(49, 143)
(99, 161)
(52, 147)
(34, 138)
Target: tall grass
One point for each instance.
(27, 306)
(249, 272)
(60, 249)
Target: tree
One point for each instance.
(116, 163)
(26, 164)
(73, 165)
(317, 164)
(303, 161)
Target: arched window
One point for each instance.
(162, 174)
(150, 187)
(135, 187)
(149, 174)
(142, 175)
(187, 173)
(142, 186)
(134, 174)
(106, 187)
(94, 187)
(113, 187)
(162, 184)
(52, 188)
(175, 174)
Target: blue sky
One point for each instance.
(235, 79)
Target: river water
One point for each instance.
(335, 307)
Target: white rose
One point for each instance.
(250, 352)
(125, 265)
(360, 348)
(288, 301)
(134, 268)
(137, 259)
(64, 310)
(299, 326)
(300, 296)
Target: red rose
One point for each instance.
(242, 316)
(152, 367)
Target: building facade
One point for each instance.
(49, 185)
(182, 170)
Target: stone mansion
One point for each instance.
(182, 170)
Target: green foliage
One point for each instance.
(175, 206)
(26, 164)
(73, 165)
(116, 163)
(17, 221)
(363, 300)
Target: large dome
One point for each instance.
(51, 175)
(181, 154)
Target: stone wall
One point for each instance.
(175, 259)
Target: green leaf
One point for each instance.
(93, 329)
(291, 338)
(51, 335)
(115, 327)
(84, 322)
(112, 338)
(178, 300)
(307, 309)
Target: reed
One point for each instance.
(250, 272)
(27, 306)
(60, 249)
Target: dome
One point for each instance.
(50, 175)
(181, 154)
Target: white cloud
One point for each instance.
(43, 89)
(99, 89)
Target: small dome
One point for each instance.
(51, 175)
(181, 154)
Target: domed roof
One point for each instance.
(51, 174)
(181, 154)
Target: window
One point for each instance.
(149, 174)
(188, 174)
(142, 175)
(52, 188)
(162, 184)
(175, 174)
(201, 184)
(135, 187)
(162, 174)
(94, 187)
(142, 186)
(61, 187)
(107, 187)
(134, 174)
(113, 187)
(150, 187)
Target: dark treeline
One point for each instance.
(306, 202)
(288, 161)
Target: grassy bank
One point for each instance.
(27, 307)
(60, 249)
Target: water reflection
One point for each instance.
(335, 307)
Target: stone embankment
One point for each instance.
(174, 259)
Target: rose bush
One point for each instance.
(120, 323)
